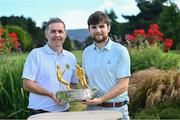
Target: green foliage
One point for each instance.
(112, 15)
(77, 45)
(8, 41)
(155, 11)
(165, 110)
(148, 57)
(147, 114)
(116, 27)
(24, 38)
(37, 33)
(67, 44)
(149, 13)
(88, 41)
(13, 100)
(171, 25)
(78, 54)
(29, 26)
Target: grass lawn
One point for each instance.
(78, 55)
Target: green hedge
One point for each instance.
(145, 58)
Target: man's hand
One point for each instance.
(53, 96)
(31, 86)
(94, 101)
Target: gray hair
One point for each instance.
(54, 20)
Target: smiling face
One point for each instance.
(55, 35)
(99, 32)
(99, 27)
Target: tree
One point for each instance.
(28, 25)
(112, 16)
(171, 25)
(149, 13)
(67, 44)
(88, 41)
(77, 44)
(36, 32)
(116, 27)
(155, 11)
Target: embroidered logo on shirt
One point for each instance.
(67, 67)
(108, 62)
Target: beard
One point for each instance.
(103, 39)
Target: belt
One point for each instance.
(108, 104)
(33, 112)
(39, 110)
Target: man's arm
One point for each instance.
(121, 87)
(31, 86)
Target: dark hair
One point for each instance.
(54, 20)
(98, 17)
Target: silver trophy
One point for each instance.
(85, 93)
(76, 95)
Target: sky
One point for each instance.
(73, 12)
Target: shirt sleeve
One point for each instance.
(83, 58)
(123, 67)
(30, 67)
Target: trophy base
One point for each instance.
(76, 95)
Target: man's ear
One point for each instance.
(109, 28)
(88, 29)
(66, 34)
(45, 33)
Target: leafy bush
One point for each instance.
(8, 41)
(67, 44)
(148, 57)
(24, 38)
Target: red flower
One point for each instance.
(168, 42)
(131, 37)
(1, 46)
(153, 36)
(14, 38)
(154, 26)
(8, 41)
(139, 33)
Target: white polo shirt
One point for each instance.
(40, 66)
(105, 66)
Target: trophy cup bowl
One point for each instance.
(76, 95)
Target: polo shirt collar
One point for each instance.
(106, 47)
(50, 51)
